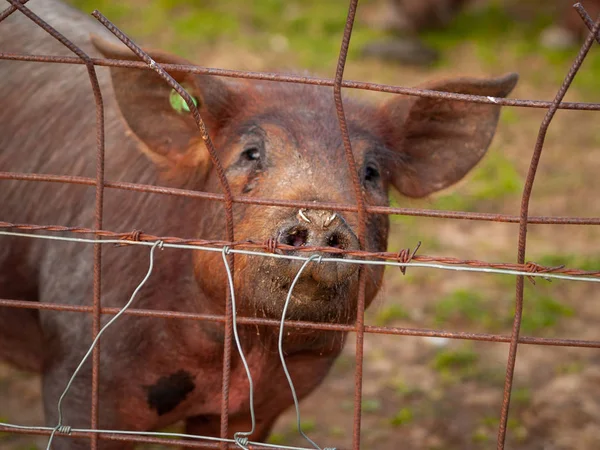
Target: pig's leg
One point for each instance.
(211, 426)
(21, 340)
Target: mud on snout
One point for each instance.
(326, 290)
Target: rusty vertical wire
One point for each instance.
(362, 220)
(586, 18)
(228, 196)
(527, 190)
(18, 4)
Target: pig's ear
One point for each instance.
(158, 116)
(438, 141)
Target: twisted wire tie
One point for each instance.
(532, 267)
(405, 256)
(134, 235)
(241, 441)
(271, 245)
(63, 429)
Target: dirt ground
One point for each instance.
(423, 393)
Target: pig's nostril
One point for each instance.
(335, 241)
(296, 237)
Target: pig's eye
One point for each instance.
(251, 154)
(371, 173)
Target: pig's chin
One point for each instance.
(310, 300)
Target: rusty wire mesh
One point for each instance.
(404, 258)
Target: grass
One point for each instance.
(308, 33)
(403, 417)
(5, 420)
(308, 425)
(589, 263)
(277, 439)
(494, 179)
(456, 364)
(337, 432)
(542, 312)
(390, 314)
(572, 367)
(371, 405)
(310, 30)
(493, 32)
(488, 427)
(521, 397)
(463, 305)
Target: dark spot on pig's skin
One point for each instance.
(168, 392)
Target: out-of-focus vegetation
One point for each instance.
(308, 32)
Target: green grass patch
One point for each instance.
(310, 30)
(4, 434)
(489, 424)
(402, 389)
(309, 33)
(337, 432)
(389, 314)
(541, 312)
(494, 179)
(509, 116)
(462, 305)
(309, 425)
(371, 405)
(493, 32)
(521, 397)
(403, 417)
(490, 24)
(588, 263)
(570, 367)
(456, 364)
(277, 439)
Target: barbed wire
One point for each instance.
(400, 259)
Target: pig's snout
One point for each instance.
(318, 228)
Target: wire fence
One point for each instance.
(228, 247)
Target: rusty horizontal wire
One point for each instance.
(269, 246)
(284, 78)
(388, 210)
(371, 329)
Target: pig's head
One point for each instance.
(283, 141)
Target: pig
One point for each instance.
(275, 140)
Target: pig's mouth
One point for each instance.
(311, 299)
